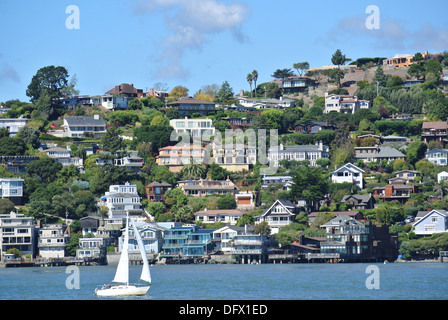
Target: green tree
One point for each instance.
(255, 78)
(262, 228)
(282, 73)
(227, 202)
(30, 136)
(309, 184)
(193, 171)
(339, 59)
(301, 67)
(380, 77)
(45, 169)
(50, 79)
(12, 146)
(415, 151)
(225, 94)
(6, 206)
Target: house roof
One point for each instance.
(349, 166)
(363, 198)
(423, 216)
(288, 205)
(159, 184)
(435, 125)
(230, 212)
(383, 152)
(85, 121)
(123, 88)
(437, 150)
(341, 220)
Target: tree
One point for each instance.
(255, 78)
(339, 59)
(177, 93)
(301, 67)
(262, 228)
(135, 104)
(249, 79)
(415, 151)
(309, 184)
(45, 169)
(282, 73)
(6, 206)
(12, 146)
(193, 171)
(30, 136)
(227, 202)
(415, 70)
(433, 70)
(111, 141)
(380, 77)
(50, 79)
(336, 75)
(225, 94)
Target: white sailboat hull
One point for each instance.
(122, 290)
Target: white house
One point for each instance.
(344, 103)
(12, 189)
(279, 214)
(234, 157)
(78, 126)
(229, 216)
(348, 173)
(284, 181)
(52, 241)
(298, 153)
(435, 221)
(17, 231)
(13, 125)
(438, 157)
(64, 156)
(442, 176)
(194, 127)
(122, 199)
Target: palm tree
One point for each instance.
(249, 79)
(193, 171)
(255, 78)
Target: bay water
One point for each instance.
(393, 281)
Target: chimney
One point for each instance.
(96, 116)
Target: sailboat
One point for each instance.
(120, 285)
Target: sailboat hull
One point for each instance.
(122, 290)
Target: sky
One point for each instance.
(195, 43)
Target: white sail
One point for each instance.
(122, 274)
(146, 275)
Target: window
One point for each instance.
(434, 218)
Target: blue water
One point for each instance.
(397, 281)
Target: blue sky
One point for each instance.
(201, 42)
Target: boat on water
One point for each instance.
(120, 285)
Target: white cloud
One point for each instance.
(191, 24)
(392, 35)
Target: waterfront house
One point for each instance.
(188, 241)
(155, 191)
(348, 173)
(377, 153)
(151, 234)
(228, 216)
(12, 189)
(351, 240)
(17, 231)
(344, 103)
(175, 157)
(279, 214)
(195, 128)
(53, 240)
(434, 131)
(222, 238)
(434, 221)
(297, 153)
(247, 247)
(202, 187)
(438, 157)
(90, 248)
(189, 105)
(80, 126)
(89, 224)
(13, 125)
(121, 199)
(358, 201)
